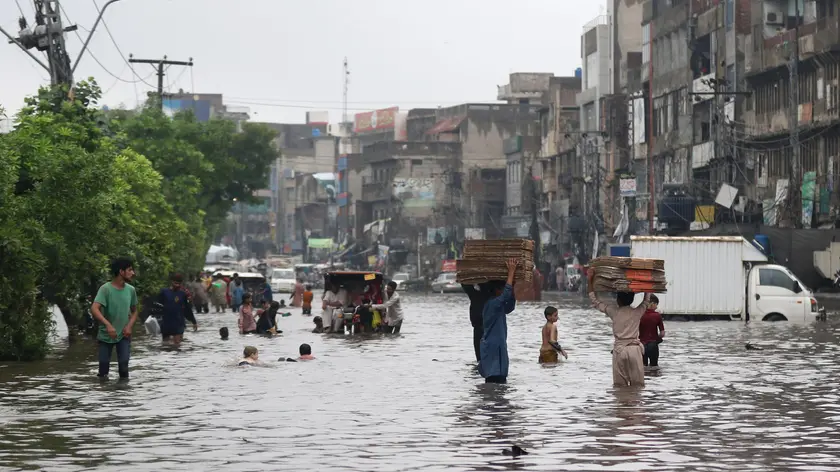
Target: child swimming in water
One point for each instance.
(250, 356)
(305, 352)
(223, 333)
(319, 324)
(550, 347)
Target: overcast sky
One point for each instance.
(284, 57)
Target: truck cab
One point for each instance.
(776, 294)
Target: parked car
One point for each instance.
(402, 279)
(445, 283)
(283, 280)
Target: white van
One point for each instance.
(283, 280)
(725, 277)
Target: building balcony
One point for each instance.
(376, 191)
(702, 85)
(774, 51)
(702, 154)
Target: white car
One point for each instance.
(401, 279)
(283, 280)
(446, 283)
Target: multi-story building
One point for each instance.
(522, 174)
(481, 130)
(304, 149)
(415, 184)
(794, 100)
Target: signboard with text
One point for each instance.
(378, 120)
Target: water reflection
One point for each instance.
(416, 402)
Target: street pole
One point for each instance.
(794, 206)
(90, 34)
(158, 65)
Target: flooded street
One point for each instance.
(416, 402)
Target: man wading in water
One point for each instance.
(478, 298)
(115, 308)
(494, 362)
(177, 309)
(627, 350)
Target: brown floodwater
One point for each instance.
(415, 401)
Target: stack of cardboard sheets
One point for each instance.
(484, 260)
(628, 274)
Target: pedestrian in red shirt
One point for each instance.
(651, 332)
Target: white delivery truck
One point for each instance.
(725, 277)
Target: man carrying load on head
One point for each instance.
(627, 366)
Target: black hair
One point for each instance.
(318, 320)
(625, 298)
(496, 285)
(176, 278)
(119, 264)
(654, 299)
(305, 349)
(308, 287)
(275, 305)
(223, 332)
(235, 274)
(245, 297)
(392, 285)
(550, 310)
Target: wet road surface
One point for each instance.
(415, 401)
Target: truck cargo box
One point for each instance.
(706, 275)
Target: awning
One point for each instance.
(446, 125)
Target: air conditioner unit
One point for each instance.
(774, 18)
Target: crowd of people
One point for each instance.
(347, 305)
(637, 331)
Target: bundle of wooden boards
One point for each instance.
(628, 274)
(484, 260)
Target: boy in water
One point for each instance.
(307, 300)
(250, 356)
(223, 333)
(319, 324)
(550, 347)
(305, 352)
(651, 331)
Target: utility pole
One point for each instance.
(158, 65)
(794, 206)
(48, 36)
(345, 140)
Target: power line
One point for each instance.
(101, 65)
(113, 40)
(22, 14)
(365, 102)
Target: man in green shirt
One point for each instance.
(115, 308)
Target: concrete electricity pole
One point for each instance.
(48, 36)
(794, 205)
(158, 65)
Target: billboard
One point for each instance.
(378, 120)
(415, 192)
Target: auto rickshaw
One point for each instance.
(361, 288)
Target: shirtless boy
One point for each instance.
(550, 347)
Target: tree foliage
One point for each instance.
(79, 189)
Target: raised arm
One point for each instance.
(607, 309)
(508, 300)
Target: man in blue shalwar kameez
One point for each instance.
(493, 365)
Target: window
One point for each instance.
(591, 72)
(775, 278)
(646, 43)
(417, 162)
